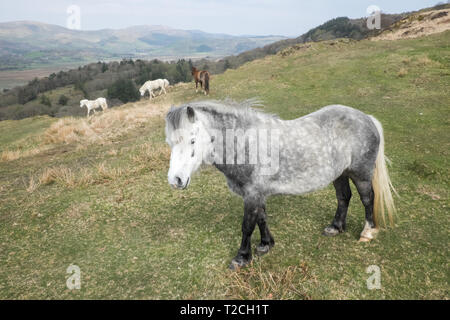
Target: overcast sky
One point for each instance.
(237, 17)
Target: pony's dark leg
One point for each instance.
(252, 209)
(196, 85)
(367, 196)
(343, 195)
(267, 240)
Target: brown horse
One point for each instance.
(201, 76)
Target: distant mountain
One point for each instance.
(31, 44)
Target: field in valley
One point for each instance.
(94, 193)
(12, 78)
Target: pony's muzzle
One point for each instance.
(178, 183)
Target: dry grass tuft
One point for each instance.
(113, 152)
(85, 177)
(406, 60)
(68, 178)
(155, 155)
(10, 155)
(69, 130)
(426, 190)
(253, 283)
(32, 185)
(108, 173)
(364, 91)
(104, 126)
(61, 175)
(402, 72)
(424, 61)
(101, 128)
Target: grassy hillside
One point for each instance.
(94, 192)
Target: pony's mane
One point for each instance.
(245, 111)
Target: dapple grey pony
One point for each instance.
(331, 145)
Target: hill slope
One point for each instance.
(341, 27)
(94, 192)
(418, 24)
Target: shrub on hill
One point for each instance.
(62, 101)
(31, 109)
(123, 89)
(45, 100)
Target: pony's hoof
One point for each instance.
(262, 249)
(331, 231)
(368, 234)
(238, 263)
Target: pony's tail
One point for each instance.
(207, 82)
(381, 184)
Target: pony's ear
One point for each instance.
(191, 114)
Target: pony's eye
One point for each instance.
(192, 141)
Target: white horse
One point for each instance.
(166, 83)
(94, 104)
(154, 85)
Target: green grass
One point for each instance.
(134, 237)
(15, 132)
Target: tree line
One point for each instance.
(120, 80)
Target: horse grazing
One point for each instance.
(331, 145)
(202, 77)
(154, 85)
(94, 104)
(166, 83)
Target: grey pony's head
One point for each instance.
(189, 142)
